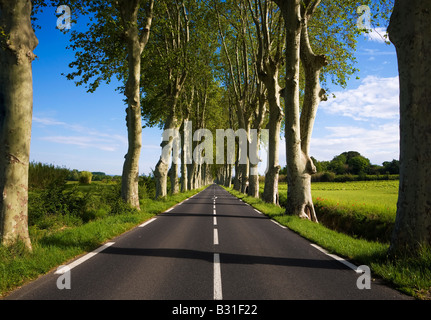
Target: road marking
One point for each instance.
(169, 209)
(84, 258)
(215, 236)
(258, 211)
(343, 261)
(279, 224)
(214, 206)
(215, 220)
(214, 211)
(147, 222)
(217, 278)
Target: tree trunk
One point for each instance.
(298, 199)
(410, 32)
(243, 165)
(162, 168)
(313, 95)
(270, 192)
(136, 43)
(253, 180)
(17, 41)
(186, 157)
(254, 141)
(173, 175)
(130, 177)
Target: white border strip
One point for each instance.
(84, 258)
(147, 222)
(343, 261)
(278, 224)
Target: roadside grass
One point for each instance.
(411, 275)
(55, 246)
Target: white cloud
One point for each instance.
(377, 34)
(379, 143)
(370, 121)
(375, 98)
(377, 52)
(88, 138)
(48, 122)
(85, 142)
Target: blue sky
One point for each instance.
(79, 130)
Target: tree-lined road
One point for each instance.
(211, 246)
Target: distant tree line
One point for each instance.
(351, 163)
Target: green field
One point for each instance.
(364, 209)
(379, 196)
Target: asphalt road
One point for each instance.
(210, 247)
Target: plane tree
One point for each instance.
(269, 28)
(321, 39)
(112, 46)
(17, 43)
(178, 80)
(238, 56)
(409, 30)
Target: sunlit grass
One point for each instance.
(364, 209)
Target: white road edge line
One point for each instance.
(257, 211)
(147, 222)
(83, 259)
(281, 226)
(217, 278)
(169, 209)
(343, 261)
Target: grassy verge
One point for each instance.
(406, 274)
(53, 247)
(364, 209)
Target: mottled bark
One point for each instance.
(162, 168)
(410, 32)
(268, 61)
(270, 192)
(173, 175)
(313, 95)
(136, 43)
(298, 130)
(17, 41)
(186, 153)
(254, 141)
(296, 163)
